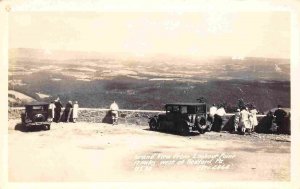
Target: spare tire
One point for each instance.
(38, 118)
(201, 124)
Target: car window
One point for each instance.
(37, 107)
(191, 109)
(184, 109)
(201, 109)
(176, 109)
(168, 109)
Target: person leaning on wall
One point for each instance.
(114, 108)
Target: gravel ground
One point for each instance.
(101, 152)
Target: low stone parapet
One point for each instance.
(95, 115)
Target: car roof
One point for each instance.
(35, 103)
(185, 104)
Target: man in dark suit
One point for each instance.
(57, 110)
(279, 117)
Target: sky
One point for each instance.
(195, 34)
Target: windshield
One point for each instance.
(188, 109)
(37, 107)
(201, 109)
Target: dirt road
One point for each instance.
(101, 152)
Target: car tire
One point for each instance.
(153, 125)
(202, 128)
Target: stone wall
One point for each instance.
(15, 113)
(130, 117)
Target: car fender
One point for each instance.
(154, 118)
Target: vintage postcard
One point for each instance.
(185, 93)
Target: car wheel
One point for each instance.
(153, 125)
(202, 128)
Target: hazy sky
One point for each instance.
(260, 34)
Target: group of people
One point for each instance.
(215, 117)
(245, 120)
(70, 113)
(281, 123)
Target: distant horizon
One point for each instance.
(50, 53)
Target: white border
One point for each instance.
(149, 6)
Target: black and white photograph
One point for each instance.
(166, 95)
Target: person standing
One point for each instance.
(245, 123)
(268, 122)
(237, 117)
(218, 120)
(114, 108)
(75, 111)
(279, 117)
(253, 118)
(211, 116)
(52, 107)
(68, 111)
(57, 110)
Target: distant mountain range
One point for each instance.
(96, 79)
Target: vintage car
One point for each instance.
(37, 114)
(182, 118)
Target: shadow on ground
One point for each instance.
(172, 133)
(22, 128)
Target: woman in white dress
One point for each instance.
(245, 123)
(75, 111)
(237, 117)
(51, 107)
(253, 118)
